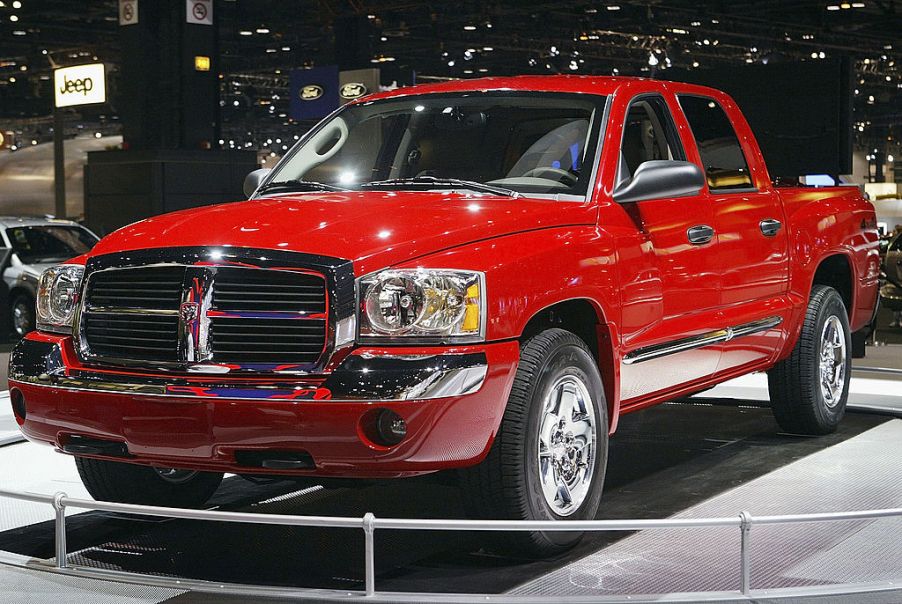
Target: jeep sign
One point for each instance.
(79, 85)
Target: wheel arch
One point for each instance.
(837, 271)
(586, 319)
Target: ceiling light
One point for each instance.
(17, 4)
(245, 32)
(262, 30)
(613, 7)
(13, 18)
(469, 27)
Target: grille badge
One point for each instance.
(189, 311)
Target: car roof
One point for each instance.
(586, 84)
(20, 221)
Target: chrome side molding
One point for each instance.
(718, 336)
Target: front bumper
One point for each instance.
(451, 399)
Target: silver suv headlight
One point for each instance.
(58, 293)
(428, 305)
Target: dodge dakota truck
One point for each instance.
(479, 276)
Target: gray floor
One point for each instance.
(861, 473)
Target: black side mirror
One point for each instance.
(660, 179)
(253, 180)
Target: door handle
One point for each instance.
(700, 234)
(769, 227)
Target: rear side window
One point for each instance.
(725, 165)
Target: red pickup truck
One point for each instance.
(476, 275)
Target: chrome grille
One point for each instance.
(186, 315)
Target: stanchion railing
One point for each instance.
(368, 523)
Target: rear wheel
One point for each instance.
(548, 459)
(130, 483)
(808, 390)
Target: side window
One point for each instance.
(724, 163)
(648, 134)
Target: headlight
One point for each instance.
(58, 297)
(426, 304)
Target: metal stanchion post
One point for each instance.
(745, 563)
(60, 530)
(369, 529)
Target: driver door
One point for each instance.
(670, 280)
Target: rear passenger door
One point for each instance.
(751, 236)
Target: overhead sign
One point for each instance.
(199, 11)
(357, 83)
(79, 85)
(128, 12)
(314, 92)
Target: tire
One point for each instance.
(808, 397)
(130, 483)
(22, 315)
(508, 484)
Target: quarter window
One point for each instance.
(725, 165)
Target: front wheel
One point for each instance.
(130, 483)
(548, 459)
(21, 315)
(808, 390)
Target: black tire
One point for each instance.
(130, 483)
(506, 485)
(22, 315)
(797, 398)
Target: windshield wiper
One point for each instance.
(434, 182)
(298, 185)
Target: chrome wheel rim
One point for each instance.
(566, 449)
(175, 476)
(832, 361)
(21, 319)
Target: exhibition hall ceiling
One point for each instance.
(261, 41)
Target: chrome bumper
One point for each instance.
(360, 377)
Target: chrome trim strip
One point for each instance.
(718, 336)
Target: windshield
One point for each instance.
(35, 244)
(528, 143)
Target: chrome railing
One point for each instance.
(368, 523)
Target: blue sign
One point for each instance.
(314, 92)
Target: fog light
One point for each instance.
(18, 401)
(381, 428)
(390, 427)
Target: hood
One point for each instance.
(374, 229)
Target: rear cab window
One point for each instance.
(726, 167)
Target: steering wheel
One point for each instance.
(556, 174)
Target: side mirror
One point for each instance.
(660, 179)
(253, 180)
